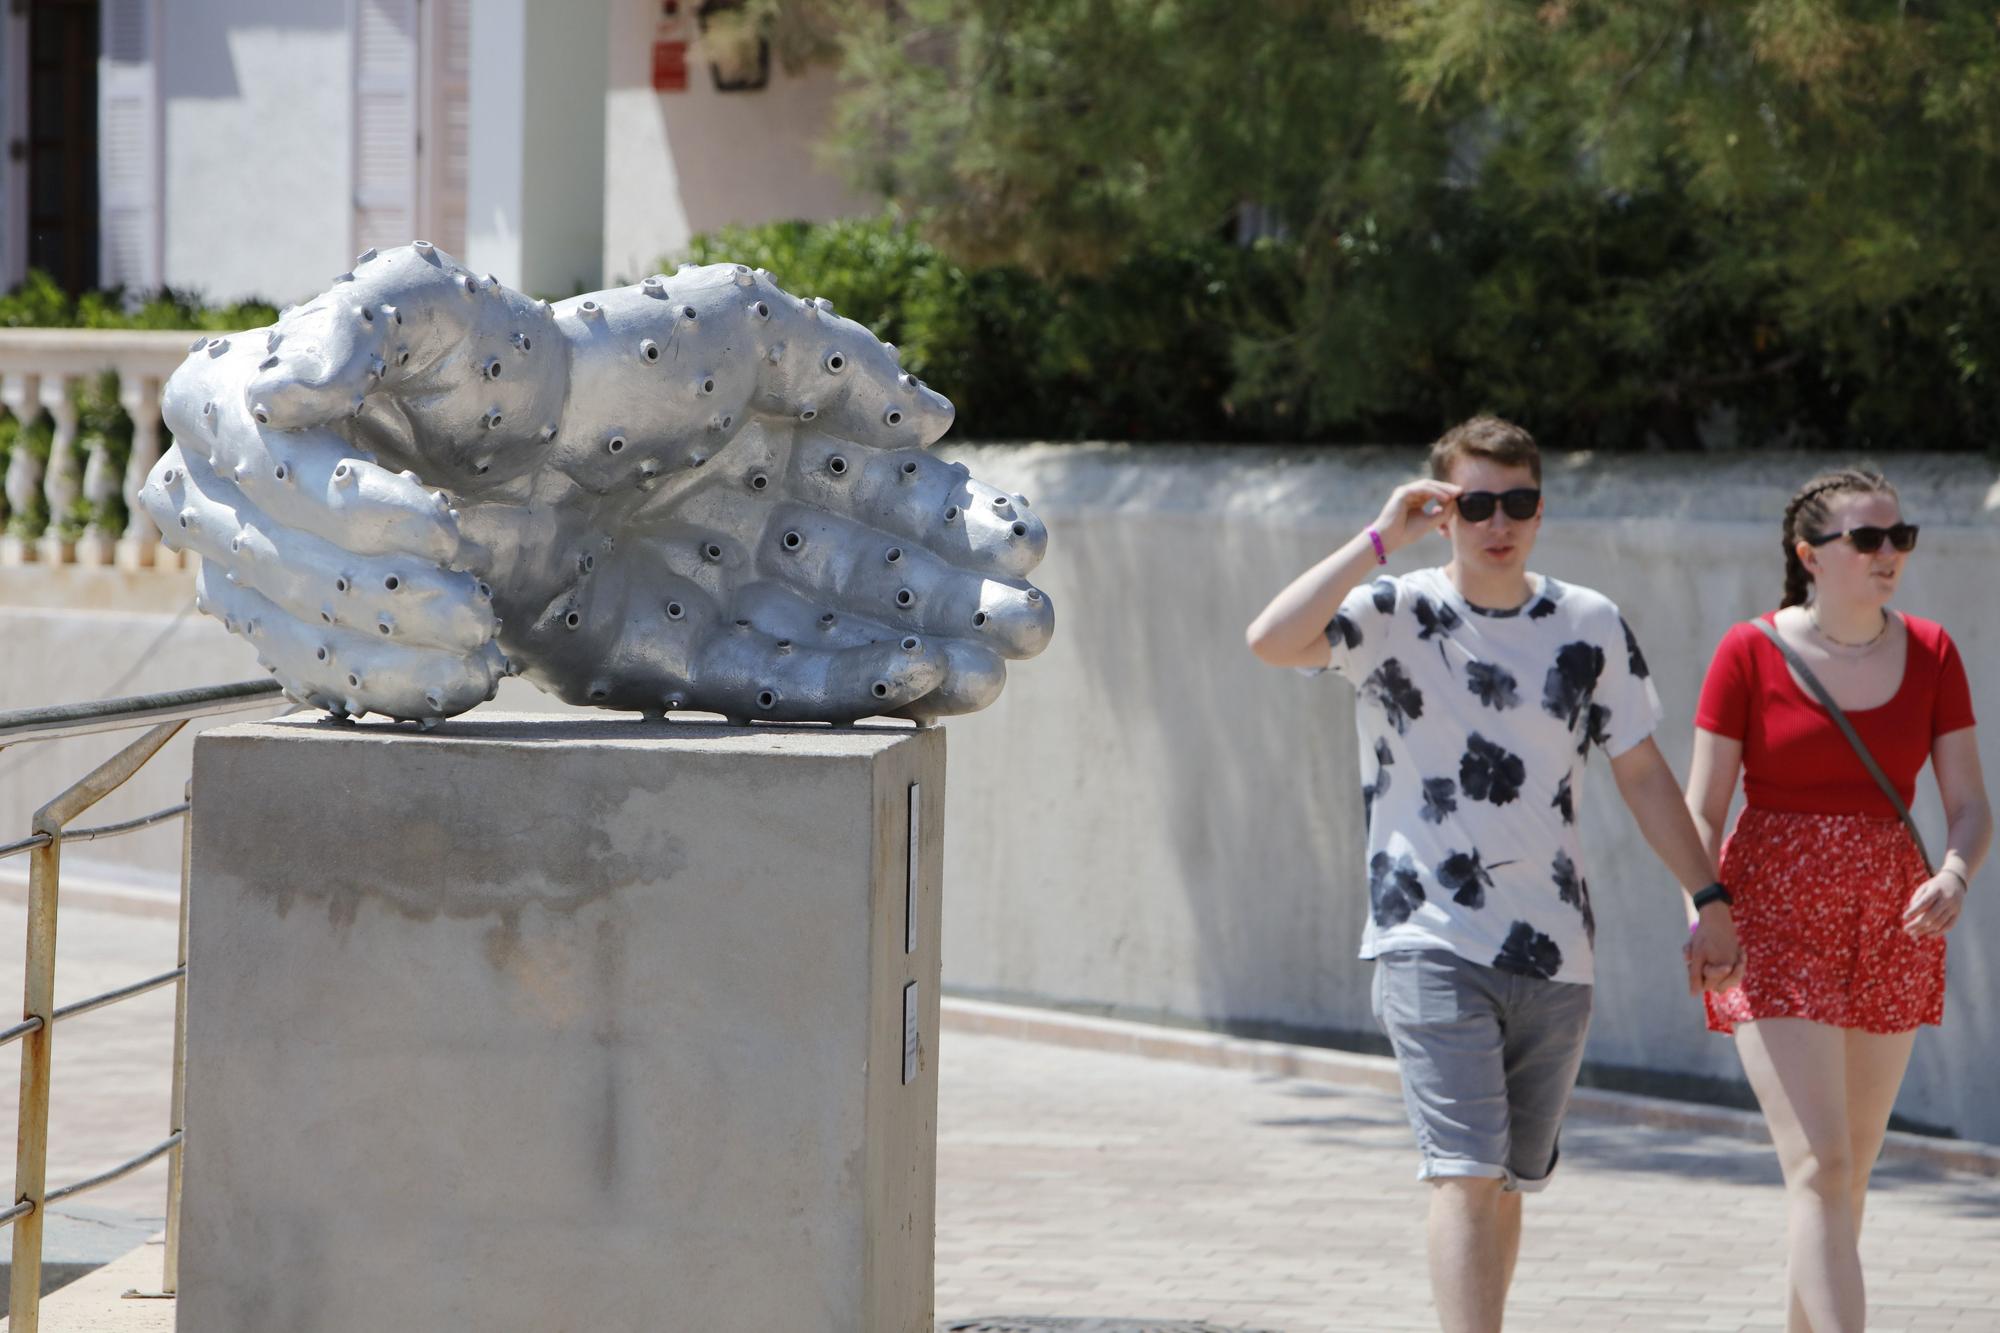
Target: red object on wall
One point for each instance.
(670, 67)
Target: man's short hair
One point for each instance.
(1490, 438)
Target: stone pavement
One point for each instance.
(1083, 1183)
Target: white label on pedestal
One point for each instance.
(910, 1032)
(914, 868)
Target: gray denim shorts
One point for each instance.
(1488, 1059)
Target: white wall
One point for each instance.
(1150, 822)
(258, 192)
(681, 163)
(535, 183)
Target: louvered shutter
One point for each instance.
(447, 132)
(128, 147)
(385, 123)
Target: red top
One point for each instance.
(1794, 757)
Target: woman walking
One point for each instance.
(1841, 915)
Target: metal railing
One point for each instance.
(164, 715)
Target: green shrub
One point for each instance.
(1140, 352)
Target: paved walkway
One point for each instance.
(1079, 1183)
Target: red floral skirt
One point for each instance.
(1819, 903)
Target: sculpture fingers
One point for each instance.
(311, 480)
(468, 376)
(389, 595)
(631, 633)
(347, 671)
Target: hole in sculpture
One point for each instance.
(322, 653)
(999, 502)
(650, 350)
(279, 472)
(493, 369)
(763, 311)
(836, 465)
(793, 541)
(367, 314)
(615, 443)
(905, 597)
(572, 620)
(881, 689)
(354, 680)
(951, 513)
(758, 481)
(978, 617)
(708, 386)
(383, 626)
(403, 357)
(675, 611)
(809, 414)
(1020, 529)
(910, 469)
(392, 583)
(340, 584)
(687, 312)
(893, 417)
(911, 644)
(893, 554)
(712, 551)
(765, 698)
(835, 363)
(827, 619)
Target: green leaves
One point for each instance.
(1627, 222)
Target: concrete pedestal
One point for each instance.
(562, 1025)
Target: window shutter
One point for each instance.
(128, 147)
(385, 123)
(447, 131)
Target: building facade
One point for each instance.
(250, 148)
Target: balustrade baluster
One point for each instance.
(22, 395)
(59, 483)
(140, 547)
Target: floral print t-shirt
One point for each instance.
(1475, 726)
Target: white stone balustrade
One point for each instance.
(38, 368)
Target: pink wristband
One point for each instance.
(1375, 539)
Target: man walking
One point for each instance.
(1481, 689)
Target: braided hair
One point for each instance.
(1806, 516)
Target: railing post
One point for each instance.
(170, 1275)
(22, 393)
(31, 1146)
(59, 485)
(31, 1151)
(139, 395)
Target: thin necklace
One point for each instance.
(1812, 614)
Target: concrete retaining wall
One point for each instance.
(1151, 823)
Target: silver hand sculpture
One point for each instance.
(694, 493)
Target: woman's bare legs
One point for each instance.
(1875, 1066)
(1799, 1070)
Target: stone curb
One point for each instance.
(1377, 1073)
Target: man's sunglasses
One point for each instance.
(1903, 536)
(1520, 504)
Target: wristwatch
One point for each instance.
(1714, 893)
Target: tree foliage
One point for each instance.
(1623, 221)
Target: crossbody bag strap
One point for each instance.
(1798, 664)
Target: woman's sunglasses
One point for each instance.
(1903, 536)
(1520, 504)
